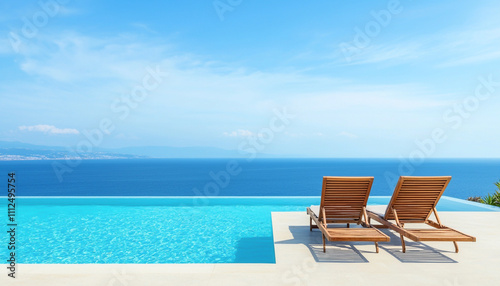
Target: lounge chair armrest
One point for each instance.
(396, 218)
(366, 217)
(435, 224)
(437, 217)
(324, 217)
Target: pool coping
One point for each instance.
(476, 204)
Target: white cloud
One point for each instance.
(121, 58)
(348, 135)
(224, 96)
(449, 48)
(307, 135)
(472, 46)
(50, 129)
(386, 53)
(240, 133)
(472, 59)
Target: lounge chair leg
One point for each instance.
(456, 246)
(324, 246)
(310, 224)
(347, 225)
(376, 246)
(403, 244)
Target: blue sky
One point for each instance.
(361, 78)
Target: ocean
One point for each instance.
(237, 177)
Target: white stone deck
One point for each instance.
(300, 261)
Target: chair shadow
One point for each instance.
(416, 252)
(336, 252)
(346, 252)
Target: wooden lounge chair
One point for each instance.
(343, 200)
(413, 201)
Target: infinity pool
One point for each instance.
(160, 229)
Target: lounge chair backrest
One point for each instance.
(415, 197)
(344, 197)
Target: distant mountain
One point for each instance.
(21, 145)
(24, 151)
(180, 152)
(34, 154)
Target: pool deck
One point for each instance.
(300, 261)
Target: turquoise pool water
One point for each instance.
(159, 230)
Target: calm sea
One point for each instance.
(228, 177)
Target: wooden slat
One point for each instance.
(345, 197)
(343, 200)
(355, 234)
(414, 200)
(415, 197)
(440, 234)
